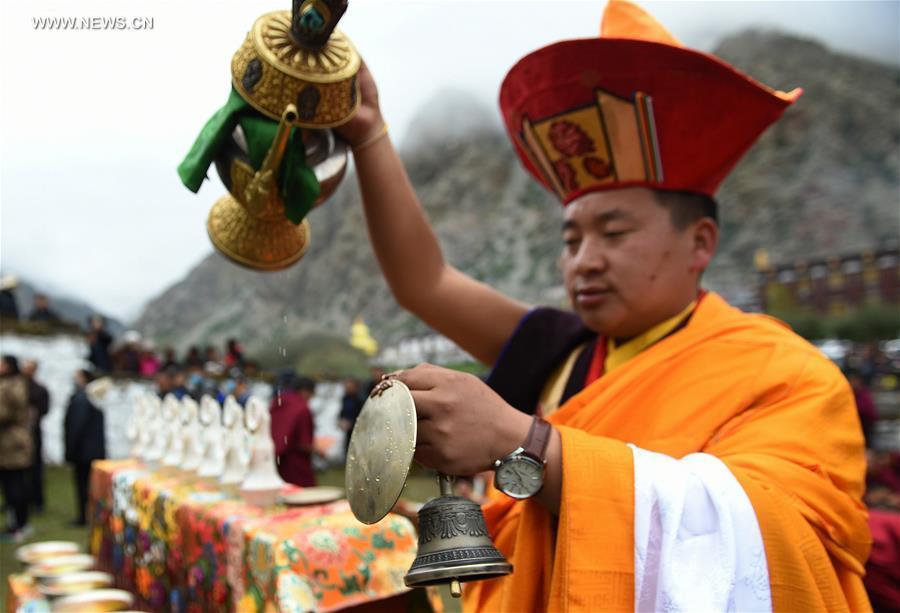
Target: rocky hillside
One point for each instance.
(823, 180)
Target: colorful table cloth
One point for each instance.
(180, 543)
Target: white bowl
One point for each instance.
(96, 601)
(262, 497)
(61, 565)
(75, 583)
(38, 552)
(312, 496)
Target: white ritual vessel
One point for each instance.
(192, 443)
(262, 483)
(212, 463)
(237, 453)
(175, 442)
(156, 432)
(136, 426)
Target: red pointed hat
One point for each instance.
(632, 108)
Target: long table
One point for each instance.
(181, 544)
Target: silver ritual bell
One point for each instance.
(454, 545)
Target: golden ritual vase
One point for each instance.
(294, 67)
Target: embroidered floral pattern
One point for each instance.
(597, 167)
(323, 547)
(569, 139)
(177, 542)
(566, 174)
(261, 561)
(294, 594)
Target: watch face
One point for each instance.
(520, 477)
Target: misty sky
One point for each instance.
(93, 123)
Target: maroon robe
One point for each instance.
(293, 431)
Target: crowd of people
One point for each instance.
(133, 356)
(24, 402)
(130, 355)
(874, 376)
(9, 306)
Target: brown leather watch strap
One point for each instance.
(538, 438)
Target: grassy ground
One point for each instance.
(53, 524)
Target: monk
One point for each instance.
(655, 448)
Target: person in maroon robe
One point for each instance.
(293, 429)
(883, 499)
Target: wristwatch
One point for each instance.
(520, 475)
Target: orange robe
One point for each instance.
(741, 387)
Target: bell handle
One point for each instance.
(445, 482)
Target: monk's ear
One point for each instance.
(705, 235)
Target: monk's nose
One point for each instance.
(591, 257)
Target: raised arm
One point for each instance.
(475, 316)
